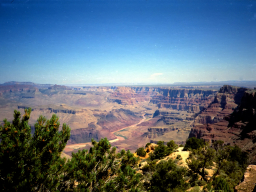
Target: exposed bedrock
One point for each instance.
(230, 119)
(107, 123)
(184, 99)
(52, 110)
(129, 96)
(155, 132)
(117, 119)
(85, 135)
(59, 87)
(145, 89)
(248, 183)
(224, 103)
(244, 117)
(17, 88)
(180, 99)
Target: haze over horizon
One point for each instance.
(127, 42)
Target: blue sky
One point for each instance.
(127, 41)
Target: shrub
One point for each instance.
(201, 183)
(220, 184)
(168, 177)
(147, 145)
(236, 154)
(179, 157)
(194, 143)
(196, 189)
(101, 169)
(150, 167)
(160, 151)
(141, 152)
(172, 145)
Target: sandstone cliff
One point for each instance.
(59, 87)
(106, 123)
(117, 119)
(230, 117)
(183, 99)
(17, 88)
(129, 96)
(224, 103)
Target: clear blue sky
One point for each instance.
(127, 41)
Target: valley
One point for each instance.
(129, 116)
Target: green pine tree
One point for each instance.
(141, 152)
(32, 163)
(220, 184)
(167, 177)
(102, 169)
(162, 150)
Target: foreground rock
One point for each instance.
(249, 183)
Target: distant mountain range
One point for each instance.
(249, 84)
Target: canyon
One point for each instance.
(131, 116)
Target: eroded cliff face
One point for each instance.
(117, 119)
(55, 110)
(25, 91)
(130, 96)
(59, 87)
(170, 125)
(155, 132)
(84, 135)
(177, 109)
(231, 117)
(192, 100)
(104, 126)
(224, 103)
(244, 117)
(184, 99)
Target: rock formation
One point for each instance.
(192, 100)
(183, 99)
(116, 119)
(59, 87)
(129, 96)
(249, 181)
(230, 117)
(17, 88)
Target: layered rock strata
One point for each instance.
(230, 117)
(17, 88)
(129, 96)
(106, 124)
(183, 99)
